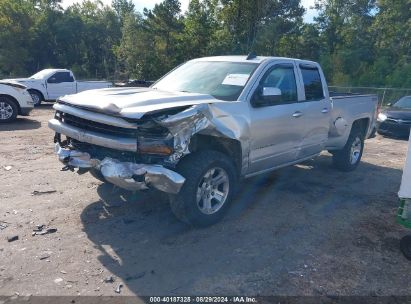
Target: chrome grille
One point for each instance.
(93, 126)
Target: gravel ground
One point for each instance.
(303, 230)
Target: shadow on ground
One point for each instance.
(20, 124)
(304, 230)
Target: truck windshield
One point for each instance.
(404, 103)
(220, 79)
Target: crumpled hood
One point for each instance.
(135, 102)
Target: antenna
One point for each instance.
(252, 55)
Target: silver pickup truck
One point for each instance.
(208, 124)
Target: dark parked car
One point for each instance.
(396, 119)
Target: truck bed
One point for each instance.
(349, 107)
(91, 85)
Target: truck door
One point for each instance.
(315, 109)
(275, 126)
(60, 84)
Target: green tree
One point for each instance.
(16, 22)
(392, 28)
(348, 40)
(123, 8)
(100, 31)
(358, 42)
(259, 25)
(134, 60)
(164, 26)
(199, 26)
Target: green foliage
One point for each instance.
(39, 34)
(200, 24)
(16, 23)
(123, 8)
(358, 42)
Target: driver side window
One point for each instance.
(281, 77)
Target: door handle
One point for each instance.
(324, 111)
(297, 114)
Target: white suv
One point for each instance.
(14, 100)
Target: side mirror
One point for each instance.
(268, 96)
(389, 104)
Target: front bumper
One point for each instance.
(126, 175)
(394, 129)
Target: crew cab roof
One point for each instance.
(47, 73)
(257, 59)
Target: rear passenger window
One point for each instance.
(312, 83)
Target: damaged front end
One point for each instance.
(138, 153)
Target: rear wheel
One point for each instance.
(37, 97)
(211, 182)
(8, 109)
(348, 158)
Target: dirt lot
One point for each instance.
(304, 230)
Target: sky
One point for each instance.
(141, 4)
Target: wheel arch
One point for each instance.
(230, 147)
(37, 91)
(362, 124)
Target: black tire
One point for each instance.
(194, 167)
(405, 246)
(344, 159)
(8, 109)
(97, 174)
(37, 97)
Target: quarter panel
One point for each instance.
(350, 108)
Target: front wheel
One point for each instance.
(8, 109)
(211, 181)
(348, 158)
